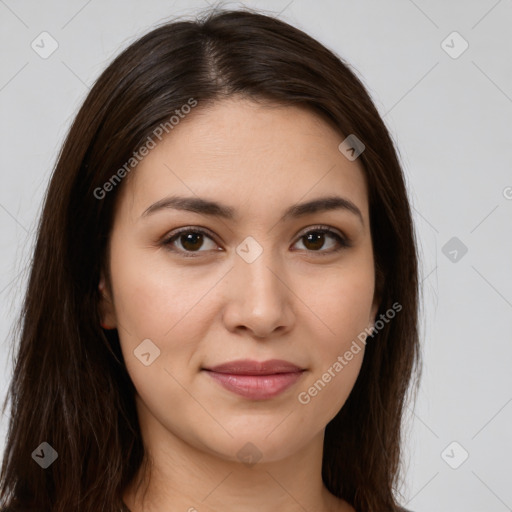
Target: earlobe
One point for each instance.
(106, 308)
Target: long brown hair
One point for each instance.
(70, 386)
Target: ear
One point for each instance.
(106, 306)
(377, 294)
(377, 299)
(375, 308)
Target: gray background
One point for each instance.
(451, 118)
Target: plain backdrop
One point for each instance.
(440, 73)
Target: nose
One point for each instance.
(259, 298)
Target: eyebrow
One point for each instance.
(215, 209)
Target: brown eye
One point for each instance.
(191, 241)
(315, 240)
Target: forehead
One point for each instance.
(248, 154)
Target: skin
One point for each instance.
(290, 303)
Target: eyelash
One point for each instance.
(167, 242)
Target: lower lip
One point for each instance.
(256, 387)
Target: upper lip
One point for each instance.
(251, 367)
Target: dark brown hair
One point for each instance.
(70, 386)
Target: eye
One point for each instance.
(192, 239)
(315, 240)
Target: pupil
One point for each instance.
(197, 237)
(316, 243)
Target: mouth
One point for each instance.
(256, 380)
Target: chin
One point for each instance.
(257, 445)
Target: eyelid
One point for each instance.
(166, 241)
(322, 227)
(343, 240)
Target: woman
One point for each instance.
(223, 303)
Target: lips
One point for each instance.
(249, 367)
(254, 379)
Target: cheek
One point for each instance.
(342, 308)
(154, 297)
(155, 301)
(340, 303)
(336, 362)
(326, 390)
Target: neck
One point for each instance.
(183, 477)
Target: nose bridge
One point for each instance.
(257, 270)
(257, 293)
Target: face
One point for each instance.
(261, 282)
